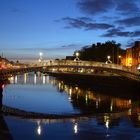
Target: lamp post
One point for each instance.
(119, 59)
(77, 59)
(40, 57)
(108, 59)
(40, 54)
(77, 55)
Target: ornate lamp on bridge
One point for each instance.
(40, 57)
(108, 59)
(77, 56)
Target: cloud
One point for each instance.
(16, 10)
(94, 7)
(45, 49)
(131, 42)
(118, 18)
(86, 19)
(131, 21)
(117, 32)
(83, 24)
(136, 34)
(71, 46)
(128, 6)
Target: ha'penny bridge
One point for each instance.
(65, 68)
(73, 68)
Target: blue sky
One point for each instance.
(58, 27)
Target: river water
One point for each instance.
(103, 116)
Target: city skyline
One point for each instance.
(57, 28)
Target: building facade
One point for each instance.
(133, 56)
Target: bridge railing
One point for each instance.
(87, 63)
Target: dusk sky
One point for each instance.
(58, 27)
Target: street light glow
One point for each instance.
(77, 54)
(108, 57)
(119, 56)
(39, 130)
(40, 53)
(75, 128)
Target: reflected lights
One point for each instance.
(75, 128)
(86, 99)
(3, 86)
(106, 120)
(39, 130)
(44, 79)
(97, 104)
(25, 78)
(35, 79)
(70, 92)
(111, 105)
(12, 79)
(130, 112)
(16, 79)
(107, 123)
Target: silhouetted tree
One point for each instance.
(100, 51)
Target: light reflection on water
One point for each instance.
(112, 117)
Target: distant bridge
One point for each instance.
(74, 67)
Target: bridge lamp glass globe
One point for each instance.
(77, 54)
(40, 54)
(108, 57)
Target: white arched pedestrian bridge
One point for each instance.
(90, 68)
(69, 67)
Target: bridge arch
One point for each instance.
(67, 66)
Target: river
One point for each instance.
(85, 112)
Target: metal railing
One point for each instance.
(87, 63)
(114, 68)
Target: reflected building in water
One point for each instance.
(91, 102)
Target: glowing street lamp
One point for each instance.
(40, 56)
(77, 56)
(108, 57)
(40, 53)
(119, 57)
